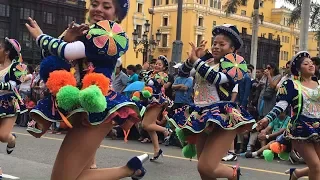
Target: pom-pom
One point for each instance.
(58, 79)
(97, 79)
(277, 148)
(180, 135)
(268, 155)
(284, 156)
(189, 151)
(146, 94)
(68, 98)
(50, 64)
(148, 88)
(92, 99)
(136, 94)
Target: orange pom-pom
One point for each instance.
(191, 139)
(136, 94)
(148, 88)
(276, 147)
(59, 78)
(97, 79)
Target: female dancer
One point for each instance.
(89, 127)
(156, 103)
(11, 74)
(214, 121)
(303, 96)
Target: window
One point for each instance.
(214, 23)
(69, 19)
(199, 39)
(139, 8)
(48, 18)
(243, 12)
(139, 30)
(26, 39)
(211, 3)
(167, 2)
(244, 2)
(261, 3)
(25, 13)
(165, 21)
(164, 39)
(4, 33)
(4, 10)
(244, 30)
(158, 2)
(200, 21)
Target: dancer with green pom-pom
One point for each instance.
(302, 96)
(93, 110)
(208, 127)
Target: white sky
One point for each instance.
(280, 3)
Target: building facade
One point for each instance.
(53, 16)
(200, 16)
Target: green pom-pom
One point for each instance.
(135, 98)
(92, 99)
(146, 94)
(189, 151)
(180, 135)
(284, 156)
(268, 155)
(68, 98)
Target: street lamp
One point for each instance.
(148, 46)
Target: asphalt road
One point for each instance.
(33, 159)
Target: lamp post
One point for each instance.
(148, 44)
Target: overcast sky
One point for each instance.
(280, 3)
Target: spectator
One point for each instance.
(316, 62)
(119, 79)
(26, 80)
(287, 74)
(183, 88)
(267, 98)
(270, 133)
(138, 68)
(133, 76)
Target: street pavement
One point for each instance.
(33, 159)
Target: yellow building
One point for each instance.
(198, 19)
(137, 16)
(313, 47)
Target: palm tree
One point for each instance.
(299, 14)
(231, 7)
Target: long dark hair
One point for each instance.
(13, 54)
(275, 68)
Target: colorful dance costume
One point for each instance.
(305, 122)
(11, 103)
(213, 89)
(103, 44)
(153, 94)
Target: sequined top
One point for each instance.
(205, 93)
(311, 101)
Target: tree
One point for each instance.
(314, 13)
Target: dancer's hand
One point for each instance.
(193, 53)
(74, 31)
(263, 122)
(201, 50)
(33, 28)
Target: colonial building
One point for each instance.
(53, 16)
